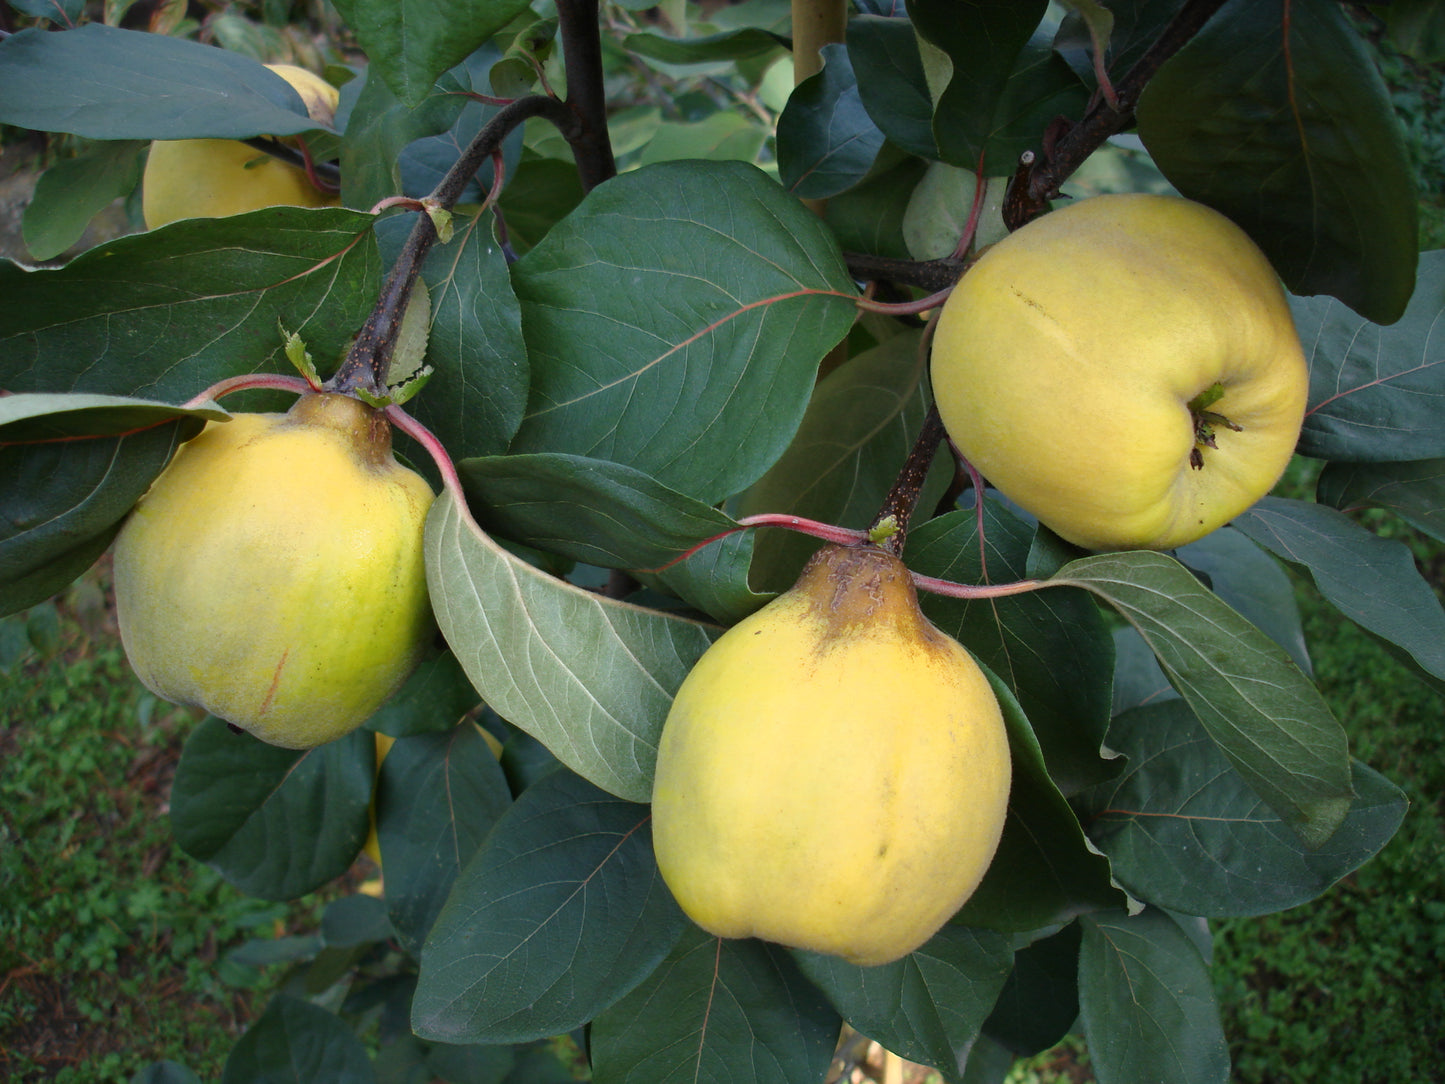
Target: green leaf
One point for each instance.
(738, 1012)
(58, 572)
(296, 1042)
(741, 44)
(1413, 491)
(1054, 651)
(276, 823)
(1040, 1001)
(721, 137)
(41, 417)
(1371, 580)
(74, 190)
(892, 86)
(605, 514)
(436, 798)
(869, 217)
(826, 141)
(927, 1006)
(167, 313)
(411, 42)
(475, 345)
(1265, 715)
(1275, 115)
(700, 289)
(590, 678)
(541, 193)
(1375, 391)
(1183, 830)
(101, 82)
(354, 920)
(1254, 584)
(854, 438)
(60, 12)
(1146, 1002)
(1045, 871)
(559, 915)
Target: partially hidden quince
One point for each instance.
(273, 574)
(212, 178)
(834, 772)
(1126, 369)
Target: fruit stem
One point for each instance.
(272, 381)
(1039, 176)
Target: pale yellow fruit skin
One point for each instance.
(212, 178)
(1065, 360)
(834, 772)
(273, 575)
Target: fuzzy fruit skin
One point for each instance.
(834, 772)
(1065, 361)
(273, 575)
(212, 178)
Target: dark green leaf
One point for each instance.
(475, 347)
(165, 1072)
(1254, 584)
(1371, 580)
(436, 798)
(590, 678)
(1184, 831)
(1045, 870)
(985, 41)
(74, 190)
(296, 1042)
(541, 193)
(869, 218)
(167, 313)
(477, 1064)
(605, 514)
(1375, 391)
(700, 286)
(1413, 491)
(891, 81)
(412, 42)
(53, 576)
(854, 438)
(1138, 677)
(101, 82)
(927, 1006)
(1146, 1002)
(1266, 716)
(717, 1012)
(354, 920)
(1136, 25)
(379, 128)
(1275, 115)
(561, 913)
(62, 13)
(1040, 1001)
(1054, 651)
(435, 696)
(276, 823)
(826, 140)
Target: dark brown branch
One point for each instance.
(930, 275)
(1038, 180)
(577, 26)
(329, 172)
(903, 497)
(369, 359)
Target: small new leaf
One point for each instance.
(299, 356)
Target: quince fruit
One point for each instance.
(212, 178)
(1126, 369)
(273, 574)
(834, 772)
